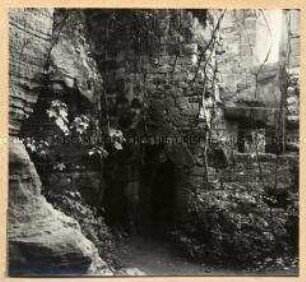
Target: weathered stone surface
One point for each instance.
(70, 60)
(42, 239)
(30, 40)
(292, 101)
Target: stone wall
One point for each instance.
(140, 75)
(156, 88)
(247, 170)
(246, 62)
(159, 73)
(254, 184)
(251, 79)
(293, 90)
(238, 32)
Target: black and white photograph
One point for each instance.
(153, 142)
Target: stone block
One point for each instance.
(294, 61)
(294, 22)
(190, 49)
(294, 46)
(293, 121)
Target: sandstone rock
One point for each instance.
(42, 239)
(30, 40)
(70, 56)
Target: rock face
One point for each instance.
(71, 62)
(42, 239)
(30, 40)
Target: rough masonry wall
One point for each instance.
(156, 86)
(243, 69)
(238, 32)
(259, 189)
(247, 80)
(293, 90)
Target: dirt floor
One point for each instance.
(147, 256)
(154, 257)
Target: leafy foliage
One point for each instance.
(230, 226)
(59, 113)
(116, 138)
(36, 147)
(83, 126)
(59, 166)
(80, 124)
(98, 151)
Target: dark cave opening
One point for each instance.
(144, 201)
(162, 204)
